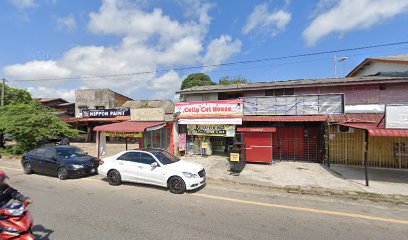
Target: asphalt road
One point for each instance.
(89, 208)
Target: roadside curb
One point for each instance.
(325, 192)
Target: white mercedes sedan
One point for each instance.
(155, 167)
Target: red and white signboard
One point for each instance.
(222, 108)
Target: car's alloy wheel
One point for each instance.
(62, 173)
(177, 185)
(114, 178)
(27, 168)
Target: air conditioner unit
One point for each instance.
(344, 129)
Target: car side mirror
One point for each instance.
(154, 165)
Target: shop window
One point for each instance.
(230, 95)
(280, 92)
(82, 108)
(269, 92)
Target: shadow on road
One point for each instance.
(42, 233)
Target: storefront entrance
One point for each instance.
(208, 139)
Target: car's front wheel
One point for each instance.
(62, 173)
(27, 168)
(176, 185)
(114, 178)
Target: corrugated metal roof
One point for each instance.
(291, 84)
(167, 105)
(284, 118)
(379, 131)
(356, 118)
(128, 127)
(401, 57)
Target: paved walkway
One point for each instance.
(309, 176)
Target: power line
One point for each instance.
(217, 65)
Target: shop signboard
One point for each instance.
(211, 130)
(182, 142)
(396, 116)
(222, 108)
(105, 113)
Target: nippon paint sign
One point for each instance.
(396, 116)
(222, 108)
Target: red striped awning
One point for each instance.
(127, 127)
(284, 118)
(379, 131)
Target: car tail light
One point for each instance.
(101, 162)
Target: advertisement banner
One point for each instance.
(105, 113)
(182, 142)
(222, 108)
(396, 116)
(211, 130)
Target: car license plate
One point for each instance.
(93, 170)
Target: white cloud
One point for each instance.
(66, 23)
(23, 3)
(49, 92)
(262, 21)
(36, 70)
(151, 40)
(349, 15)
(221, 49)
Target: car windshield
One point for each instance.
(65, 153)
(165, 157)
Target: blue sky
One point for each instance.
(55, 39)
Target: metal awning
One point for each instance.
(130, 127)
(377, 131)
(257, 129)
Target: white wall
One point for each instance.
(376, 67)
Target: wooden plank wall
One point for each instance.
(348, 149)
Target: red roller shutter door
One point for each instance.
(258, 147)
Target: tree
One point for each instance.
(196, 79)
(31, 125)
(15, 96)
(227, 80)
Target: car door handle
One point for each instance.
(140, 167)
(120, 163)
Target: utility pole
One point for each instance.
(338, 60)
(3, 86)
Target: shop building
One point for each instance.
(207, 127)
(151, 125)
(288, 120)
(95, 107)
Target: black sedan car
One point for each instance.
(61, 161)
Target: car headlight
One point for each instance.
(190, 175)
(76, 166)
